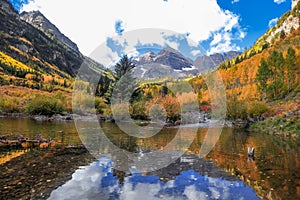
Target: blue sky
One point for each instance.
(255, 16)
(215, 25)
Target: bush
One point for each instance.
(236, 109)
(41, 105)
(100, 106)
(257, 109)
(9, 105)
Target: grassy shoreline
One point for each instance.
(278, 127)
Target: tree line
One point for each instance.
(277, 76)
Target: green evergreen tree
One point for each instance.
(276, 64)
(164, 90)
(262, 77)
(124, 66)
(291, 67)
(127, 84)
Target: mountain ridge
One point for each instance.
(38, 20)
(172, 63)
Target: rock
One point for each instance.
(289, 114)
(239, 123)
(177, 123)
(252, 120)
(40, 118)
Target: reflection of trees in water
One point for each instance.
(275, 173)
(192, 161)
(239, 139)
(276, 164)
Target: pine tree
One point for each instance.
(291, 67)
(126, 84)
(124, 66)
(262, 77)
(276, 64)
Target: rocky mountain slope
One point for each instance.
(171, 63)
(32, 47)
(278, 64)
(207, 63)
(287, 23)
(34, 53)
(38, 20)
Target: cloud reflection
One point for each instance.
(97, 182)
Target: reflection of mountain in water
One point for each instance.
(187, 178)
(187, 162)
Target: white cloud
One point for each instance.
(273, 22)
(279, 1)
(90, 22)
(192, 193)
(223, 40)
(216, 39)
(235, 1)
(195, 52)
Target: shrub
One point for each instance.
(41, 105)
(9, 105)
(138, 110)
(257, 109)
(236, 109)
(100, 106)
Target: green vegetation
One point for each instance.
(9, 105)
(44, 106)
(262, 43)
(276, 76)
(258, 109)
(278, 126)
(237, 109)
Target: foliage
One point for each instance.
(291, 68)
(263, 76)
(236, 109)
(100, 105)
(276, 77)
(9, 105)
(276, 63)
(169, 103)
(44, 106)
(257, 109)
(138, 110)
(278, 126)
(125, 83)
(123, 67)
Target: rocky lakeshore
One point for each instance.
(47, 169)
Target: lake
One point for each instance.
(225, 173)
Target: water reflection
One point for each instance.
(64, 132)
(187, 178)
(273, 174)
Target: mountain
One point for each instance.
(171, 63)
(210, 62)
(173, 58)
(265, 80)
(287, 23)
(285, 34)
(39, 21)
(168, 57)
(34, 48)
(8, 8)
(146, 58)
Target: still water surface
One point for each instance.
(225, 173)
